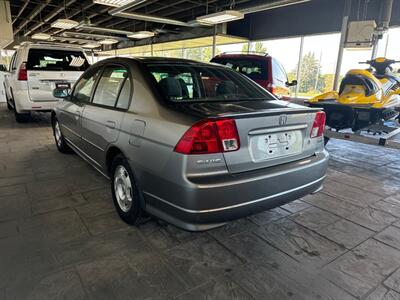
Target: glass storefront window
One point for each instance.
(286, 51)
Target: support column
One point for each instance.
(345, 23)
(214, 41)
(299, 65)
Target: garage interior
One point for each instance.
(61, 238)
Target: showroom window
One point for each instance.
(393, 46)
(286, 51)
(318, 64)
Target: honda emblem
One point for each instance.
(282, 119)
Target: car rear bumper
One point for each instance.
(211, 204)
(24, 104)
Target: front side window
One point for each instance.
(110, 84)
(188, 82)
(84, 87)
(56, 60)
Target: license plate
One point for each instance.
(277, 144)
(63, 85)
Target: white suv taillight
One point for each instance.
(210, 136)
(318, 127)
(23, 73)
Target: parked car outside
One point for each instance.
(35, 71)
(266, 70)
(194, 144)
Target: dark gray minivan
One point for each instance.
(194, 144)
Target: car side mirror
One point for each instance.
(292, 83)
(61, 92)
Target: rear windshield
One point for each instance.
(188, 82)
(56, 60)
(253, 68)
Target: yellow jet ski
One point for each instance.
(365, 97)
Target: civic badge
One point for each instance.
(282, 119)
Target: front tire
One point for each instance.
(125, 193)
(61, 144)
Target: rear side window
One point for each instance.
(109, 87)
(254, 68)
(56, 60)
(190, 82)
(125, 95)
(279, 74)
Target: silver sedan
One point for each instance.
(194, 144)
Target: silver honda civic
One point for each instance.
(194, 144)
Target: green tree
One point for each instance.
(258, 47)
(310, 74)
(200, 54)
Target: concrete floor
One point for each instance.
(61, 239)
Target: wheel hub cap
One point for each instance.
(123, 188)
(57, 133)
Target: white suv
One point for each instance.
(35, 71)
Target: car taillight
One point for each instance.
(210, 136)
(319, 125)
(22, 73)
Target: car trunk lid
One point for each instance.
(270, 132)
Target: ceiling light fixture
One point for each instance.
(220, 17)
(64, 24)
(41, 36)
(115, 3)
(140, 35)
(91, 45)
(108, 41)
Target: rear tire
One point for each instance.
(61, 144)
(21, 117)
(125, 193)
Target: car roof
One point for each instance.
(157, 60)
(52, 46)
(243, 55)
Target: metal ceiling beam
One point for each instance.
(171, 12)
(116, 31)
(71, 16)
(99, 36)
(32, 16)
(50, 16)
(21, 10)
(271, 5)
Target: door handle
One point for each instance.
(110, 124)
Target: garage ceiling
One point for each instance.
(35, 16)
